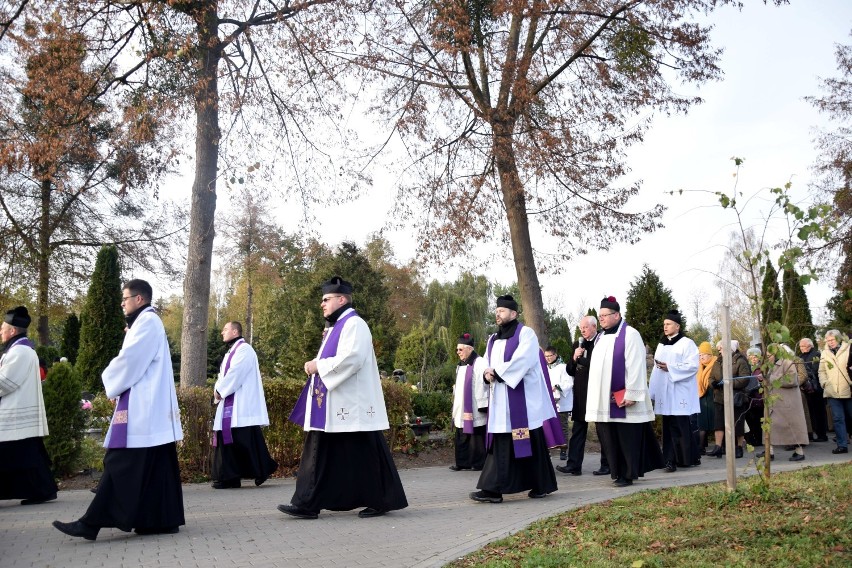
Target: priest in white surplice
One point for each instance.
(24, 464)
(240, 450)
(674, 391)
(140, 488)
(346, 462)
(470, 403)
(519, 409)
(618, 400)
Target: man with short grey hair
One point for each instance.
(578, 366)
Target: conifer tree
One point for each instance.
(102, 327)
(796, 309)
(71, 338)
(65, 419)
(770, 299)
(459, 322)
(648, 302)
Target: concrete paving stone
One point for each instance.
(243, 528)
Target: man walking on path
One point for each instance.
(140, 488)
(240, 451)
(24, 464)
(346, 462)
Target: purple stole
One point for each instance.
(517, 402)
(552, 428)
(228, 411)
(23, 341)
(619, 372)
(329, 349)
(118, 426)
(467, 401)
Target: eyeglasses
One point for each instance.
(328, 298)
(606, 315)
(125, 298)
(549, 355)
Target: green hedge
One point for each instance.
(284, 438)
(437, 406)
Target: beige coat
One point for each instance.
(833, 372)
(788, 414)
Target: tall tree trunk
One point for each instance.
(196, 285)
(519, 231)
(42, 302)
(249, 298)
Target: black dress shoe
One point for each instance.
(370, 512)
(37, 501)
(232, 484)
(797, 457)
(169, 530)
(839, 451)
(486, 497)
(739, 452)
(821, 439)
(455, 468)
(621, 482)
(78, 528)
(294, 511)
(260, 480)
(670, 468)
(761, 454)
(565, 469)
(533, 495)
(476, 468)
(601, 471)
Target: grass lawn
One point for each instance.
(802, 518)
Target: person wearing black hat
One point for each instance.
(346, 462)
(674, 391)
(618, 400)
(522, 422)
(140, 489)
(470, 403)
(24, 464)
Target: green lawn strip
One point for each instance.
(801, 518)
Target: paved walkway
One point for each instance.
(242, 527)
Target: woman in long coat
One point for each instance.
(787, 413)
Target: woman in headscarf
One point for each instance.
(787, 412)
(706, 360)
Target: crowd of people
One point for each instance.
(512, 405)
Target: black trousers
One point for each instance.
(819, 416)
(577, 445)
(678, 443)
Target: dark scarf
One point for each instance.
(507, 330)
(11, 341)
(333, 316)
(613, 329)
(131, 317)
(232, 341)
(666, 341)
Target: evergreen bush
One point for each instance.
(102, 329)
(71, 338)
(437, 406)
(65, 419)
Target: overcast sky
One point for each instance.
(772, 59)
